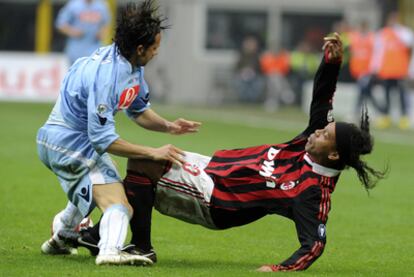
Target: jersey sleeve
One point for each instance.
(310, 219)
(323, 91)
(101, 123)
(141, 102)
(65, 16)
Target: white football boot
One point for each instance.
(122, 258)
(54, 245)
(57, 247)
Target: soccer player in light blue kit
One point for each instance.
(85, 24)
(80, 132)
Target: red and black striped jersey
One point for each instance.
(267, 176)
(281, 179)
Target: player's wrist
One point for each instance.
(168, 127)
(332, 58)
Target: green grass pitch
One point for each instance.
(368, 235)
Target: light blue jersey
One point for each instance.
(87, 17)
(81, 125)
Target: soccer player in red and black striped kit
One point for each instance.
(235, 187)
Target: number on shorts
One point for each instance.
(192, 169)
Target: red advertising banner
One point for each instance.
(31, 77)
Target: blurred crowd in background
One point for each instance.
(381, 57)
(247, 55)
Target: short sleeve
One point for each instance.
(141, 102)
(101, 123)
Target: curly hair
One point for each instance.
(361, 143)
(137, 25)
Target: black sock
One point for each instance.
(141, 195)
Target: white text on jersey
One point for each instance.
(267, 167)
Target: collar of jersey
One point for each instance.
(132, 69)
(322, 170)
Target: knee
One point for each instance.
(126, 207)
(109, 195)
(123, 207)
(153, 170)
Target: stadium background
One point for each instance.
(368, 235)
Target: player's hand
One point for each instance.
(183, 126)
(333, 49)
(265, 268)
(169, 153)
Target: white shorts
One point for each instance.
(185, 192)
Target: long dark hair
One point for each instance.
(138, 24)
(361, 143)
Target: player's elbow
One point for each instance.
(101, 142)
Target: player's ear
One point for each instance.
(334, 156)
(140, 50)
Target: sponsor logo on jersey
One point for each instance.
(127, 97)
(288, 185)
(90, 16)
(322, 231)
(268, 166)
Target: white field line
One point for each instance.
(291, 125)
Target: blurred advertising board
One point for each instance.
(30, 76)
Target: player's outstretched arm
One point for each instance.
(311, 231)
(126, 149)
(324, 85)
(152, 121)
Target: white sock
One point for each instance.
(113, 229)
(66, 219)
